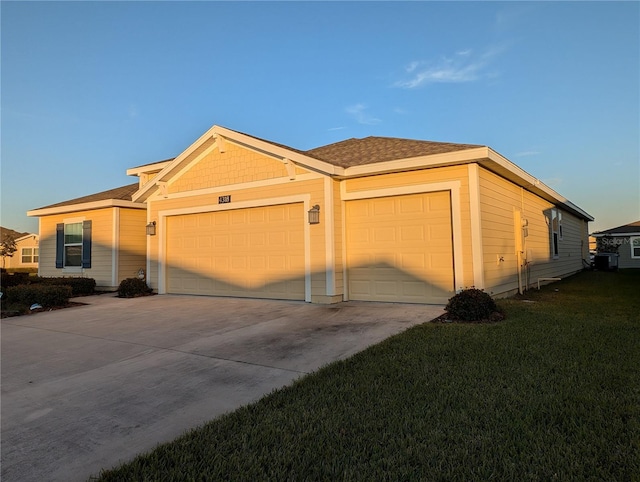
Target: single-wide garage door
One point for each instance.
(254, 252)
(399, 248)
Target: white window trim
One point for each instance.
(631, 239)
(71, 269)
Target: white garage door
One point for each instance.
(254, 252)
(399, 248)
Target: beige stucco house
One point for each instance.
(374, 219)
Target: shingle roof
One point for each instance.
(627, 228)
(13, 233)
(369, 150)
(124, 193)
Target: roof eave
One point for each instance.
(149, 168)
(71, 208)
(505, 168)
(617, 235)
(486, 157)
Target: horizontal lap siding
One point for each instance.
(132, 249)
(499, 199)
(625, 259)
(101, 245)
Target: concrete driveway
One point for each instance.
(90, 387)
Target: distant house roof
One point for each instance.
(14, 234)
(120, 196)
(369, 150)
(124, 193)
(631, 228)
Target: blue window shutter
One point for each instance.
(60, 245)
(86, 244)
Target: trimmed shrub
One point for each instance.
(47, 296)
(133, 287)
(79, 286)
(471, 305)
(15, 279)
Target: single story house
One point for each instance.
(27, 250)
(99, 236)
(374, 219)
(623, 240)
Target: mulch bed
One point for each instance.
(9, 314)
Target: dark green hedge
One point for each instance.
(15, 279)
(46, 295)
(79, 286)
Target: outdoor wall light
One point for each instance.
(151, 228)
(314, 215)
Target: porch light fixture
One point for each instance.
(314, 215)
(151, 228)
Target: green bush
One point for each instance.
(15, 279)
(132, 287)
(79, 286)
(45, 295)
(471, 305)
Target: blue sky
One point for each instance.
(90, 89)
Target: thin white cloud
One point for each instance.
(527, 153)
(336, 128)
(360, 114)
(464, 66)
(553, 182)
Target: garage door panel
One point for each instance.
(402, 251)
(254, 252)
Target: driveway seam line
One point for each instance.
(160, 348)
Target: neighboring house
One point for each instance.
(100, 236)
(26, 254)
(374, 219)
(624, 240)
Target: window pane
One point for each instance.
(36, 254)
(636, 252)
(72, 255)
(72, 233)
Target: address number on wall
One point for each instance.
(224, 199)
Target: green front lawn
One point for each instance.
(551, 393)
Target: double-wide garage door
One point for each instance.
(254, 252)
(399, 248)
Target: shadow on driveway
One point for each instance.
(90, 387)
